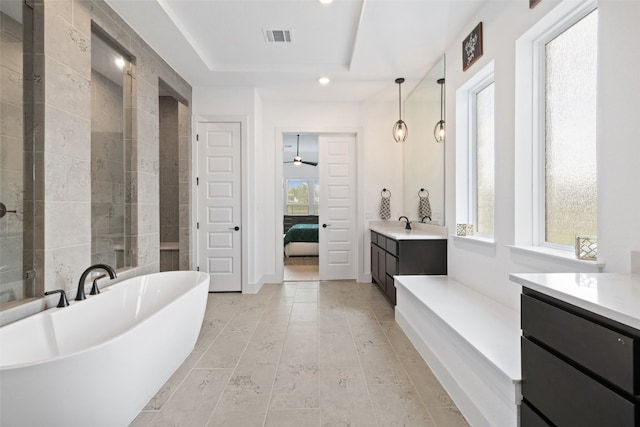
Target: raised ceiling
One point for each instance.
(362, 45)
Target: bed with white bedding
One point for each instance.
(301, 240)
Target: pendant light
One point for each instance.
(438, 131)
(400, 128)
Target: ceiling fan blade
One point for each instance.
(297, 157)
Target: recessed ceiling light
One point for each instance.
(324, 80)
(120, 63)
(325, 1)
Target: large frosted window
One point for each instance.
(484, 159)
(570, 133)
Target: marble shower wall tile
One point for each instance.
(65, 135)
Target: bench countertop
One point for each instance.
(489, 326)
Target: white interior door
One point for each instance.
(337, 207)
(219, 205)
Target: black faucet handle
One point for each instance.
(94, 288)
(63, 302)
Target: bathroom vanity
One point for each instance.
(580, 349)
(396, 251)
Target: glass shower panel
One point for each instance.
(16, 154)
(110, 81)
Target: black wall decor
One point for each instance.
(472, 47)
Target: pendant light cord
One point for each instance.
(441, 98)
(400, 99)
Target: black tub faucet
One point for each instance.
(408, 225)
(63, 302)
(112, 275)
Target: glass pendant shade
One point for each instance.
(438, 130)
(400, 130)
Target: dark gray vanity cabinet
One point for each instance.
(391, 257)
(578, 368)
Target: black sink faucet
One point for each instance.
(408, 225)
(112, 274)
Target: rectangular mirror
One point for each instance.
(423, 155)
(111, 95)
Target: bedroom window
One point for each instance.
(303, 196)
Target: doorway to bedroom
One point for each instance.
(301, 188)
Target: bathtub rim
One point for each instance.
(52, 310)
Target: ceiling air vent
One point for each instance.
(277, 36)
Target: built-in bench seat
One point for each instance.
(470, 341)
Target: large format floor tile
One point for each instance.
(302, 354)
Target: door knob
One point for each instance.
(236, 228)
(326, 225)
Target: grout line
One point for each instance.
(226, 387)
(393, 348)
(179, 385)
(275, 376)
(364, 378)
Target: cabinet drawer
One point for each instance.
(374, 238)
(529, 418)
(391, 264)
(391, 246)
(603, 351)
(568, 397)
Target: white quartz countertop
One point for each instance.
(398, 233)
(612, 295)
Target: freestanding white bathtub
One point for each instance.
(99, 361)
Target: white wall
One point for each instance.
(486, 268)
(618, 133)
(380, 163)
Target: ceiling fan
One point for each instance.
(297, 160)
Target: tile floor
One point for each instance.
(302, 354)
(300, 273)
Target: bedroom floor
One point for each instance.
(300, 269)
(305, 354)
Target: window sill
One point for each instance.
(563, 257)
(482, 241)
